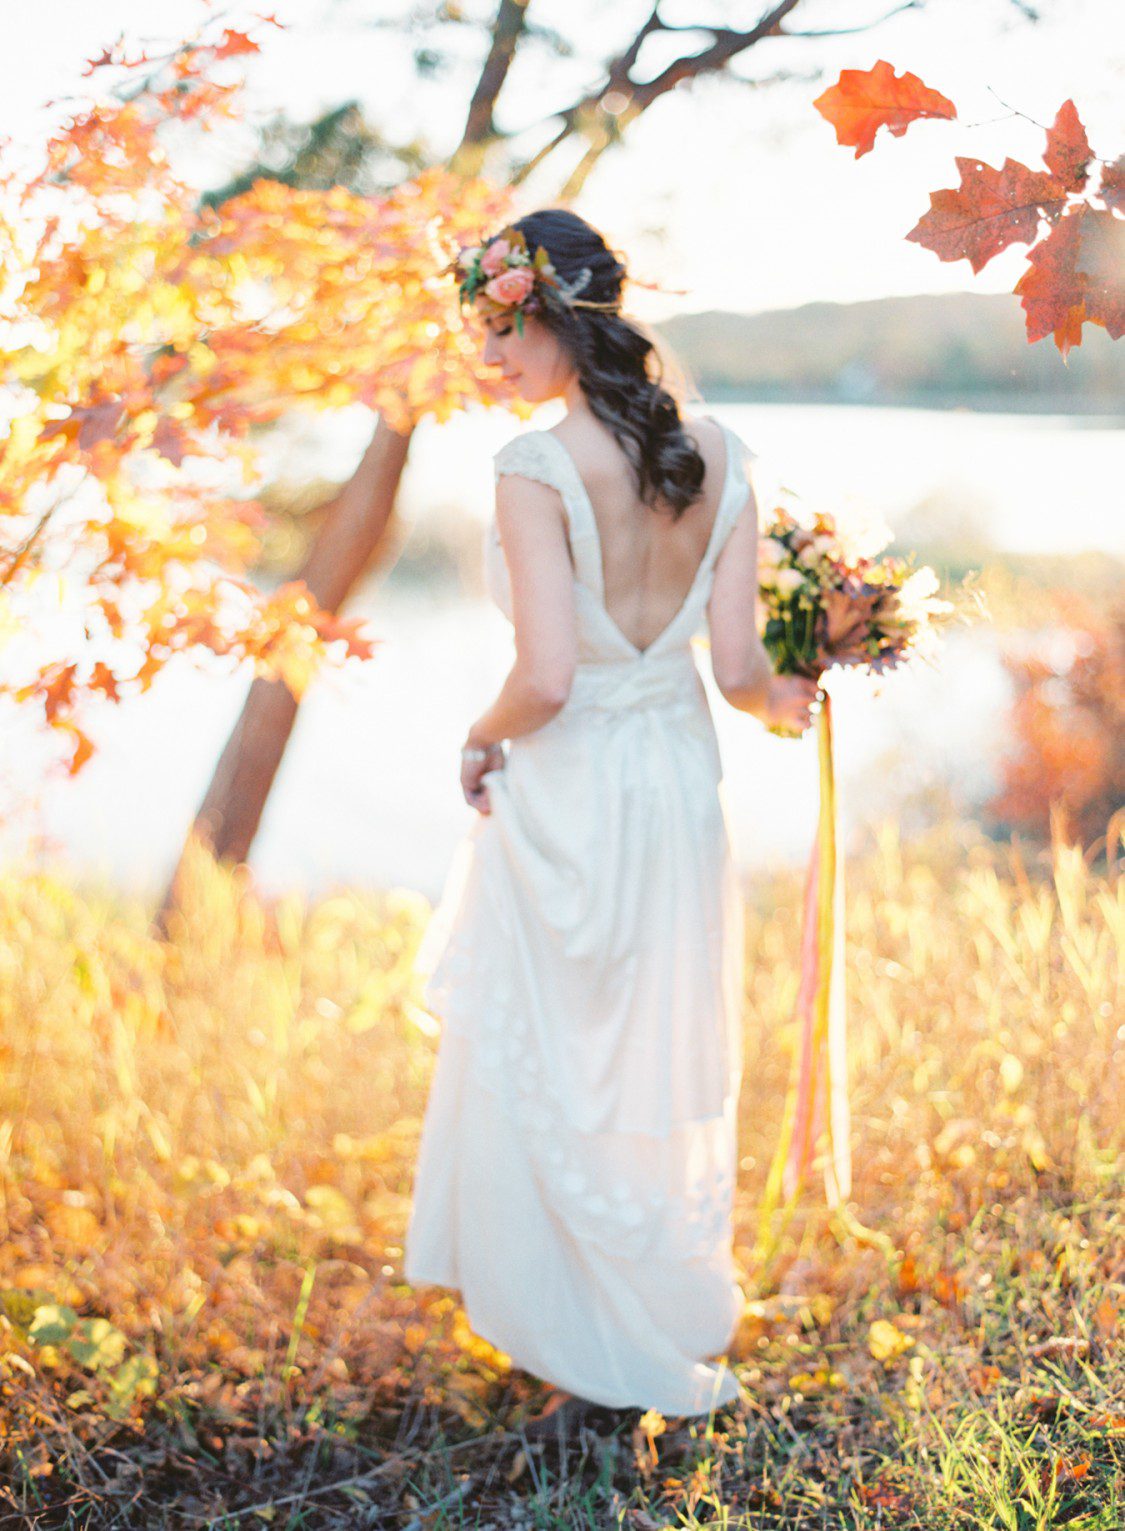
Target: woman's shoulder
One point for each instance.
(711, 441)
(726, 443)
(704, 430)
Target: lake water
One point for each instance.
(368, 792)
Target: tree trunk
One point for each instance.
(350, 538)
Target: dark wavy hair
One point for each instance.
(620, 369)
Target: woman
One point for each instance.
(577, 1161)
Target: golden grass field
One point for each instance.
(207, 1145)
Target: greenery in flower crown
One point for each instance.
(502, 276)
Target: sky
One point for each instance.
(731, 193)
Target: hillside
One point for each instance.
(924, 349)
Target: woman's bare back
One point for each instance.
(649, 561)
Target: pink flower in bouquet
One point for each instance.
(492, 261)
(511, 287)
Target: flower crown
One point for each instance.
(505, 277)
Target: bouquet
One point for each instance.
(826, 604)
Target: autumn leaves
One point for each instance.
(1076, 271)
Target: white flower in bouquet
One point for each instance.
(771, 553)
(788, 581)
(915, 596)
(816, 549)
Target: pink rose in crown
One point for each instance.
(492, 261)
(511, 287)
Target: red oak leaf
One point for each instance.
(864, 100)
(170, 441)
(844, 620)
(1075, 275)
(1068, 151)
(1112, 189)
(990, 210)
(1050, 290)
(99, 422)
(1101, 261)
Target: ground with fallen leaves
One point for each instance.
(207, 1145)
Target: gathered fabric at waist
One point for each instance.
(641, 717)
(665, 681)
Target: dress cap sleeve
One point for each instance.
(529, 456)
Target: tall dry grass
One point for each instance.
(206, 1153)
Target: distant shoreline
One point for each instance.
(990, 403)
(940, 351)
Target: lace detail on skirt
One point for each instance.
(634, 1195)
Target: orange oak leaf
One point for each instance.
(232, 43)
(103, 679)
(990, 210)
(83, 747)
(350, 630)
(864, 100)
(187, 372)
(1068, 152)
(1076, 275)
(58, 691)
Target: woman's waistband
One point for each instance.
(669, 680)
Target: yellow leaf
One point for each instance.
(885, 1342)
(414, 1337)
(1011, 1073)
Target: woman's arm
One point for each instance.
(740, 661)
(531, 521)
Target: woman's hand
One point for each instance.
(476, 795)
(788, 702)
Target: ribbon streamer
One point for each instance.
(816, 1105)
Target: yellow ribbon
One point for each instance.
(816, 1104)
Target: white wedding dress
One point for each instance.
(577, 1162)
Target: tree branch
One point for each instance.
(589, 116)
(909, 5)
(507, 29)
(21, 553)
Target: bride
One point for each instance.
(577, 1162)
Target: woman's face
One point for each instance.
(535, 363)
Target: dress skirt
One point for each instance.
(577, 1163)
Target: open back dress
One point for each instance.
(576, 1167)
